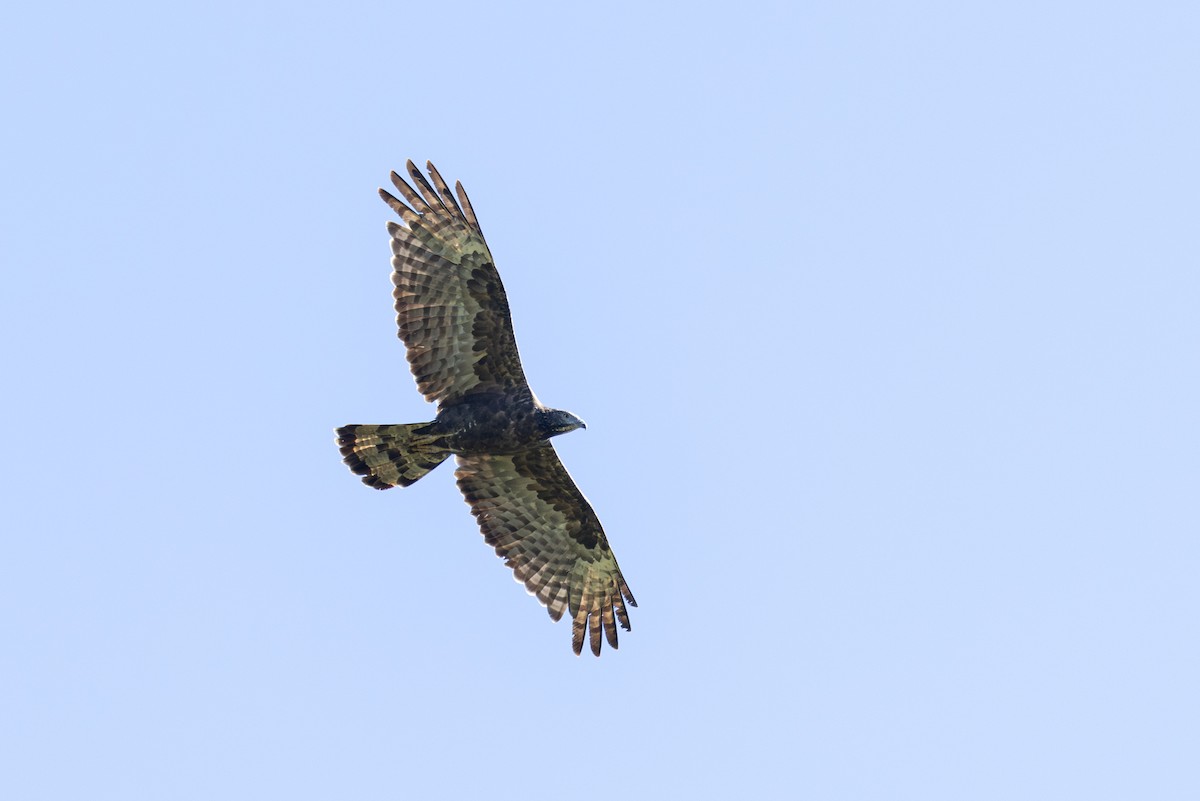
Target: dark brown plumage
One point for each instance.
(454, 319)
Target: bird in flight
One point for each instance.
(454, 320)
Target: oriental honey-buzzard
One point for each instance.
(454, 320)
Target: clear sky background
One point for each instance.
(883, 316)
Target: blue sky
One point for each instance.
(883, 318)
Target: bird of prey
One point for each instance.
(454, 320)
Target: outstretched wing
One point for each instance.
(537, 519)
(450, 305)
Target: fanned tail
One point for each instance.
(391, 455)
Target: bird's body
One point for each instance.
(454, 319)
(499, 423)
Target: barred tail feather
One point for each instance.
(392, 455)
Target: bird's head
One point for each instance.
(556, 421)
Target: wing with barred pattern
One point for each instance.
(536, 518)
(450, 304)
